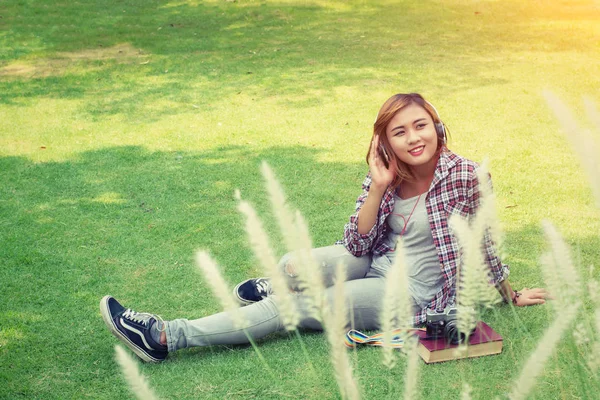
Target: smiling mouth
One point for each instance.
(417, 150)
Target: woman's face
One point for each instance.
(412, 136)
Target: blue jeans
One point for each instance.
(364, 290)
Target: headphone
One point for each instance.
(440, 128)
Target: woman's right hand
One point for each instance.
(381, 176)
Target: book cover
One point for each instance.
(484, 341)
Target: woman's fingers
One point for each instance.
(536, 301)
(533, 296)
(537, 293)
(373, 153)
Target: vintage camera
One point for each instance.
(444, 324)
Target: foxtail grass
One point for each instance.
(396, 308)
(335, 325)
(260, 244)
(135, 380)
(593, 360)
(473, 276)
(487, 207)
(222, 292)
(220, 288)
(310, 274)
(535, 364)
(298, 242)
(558, 269)
(411, 377)
(466, 392)
(283, 214)
(556, 265)
(582, 140)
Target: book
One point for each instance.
(484, 341)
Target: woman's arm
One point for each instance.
(367, 215)
(525, 297)
(381, 178)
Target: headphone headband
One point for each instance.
(434, 109)
(440, 128)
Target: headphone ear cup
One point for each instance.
(440, 129)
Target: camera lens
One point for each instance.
(453, 336)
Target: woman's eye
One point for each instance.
(399, 133)
(421, 126)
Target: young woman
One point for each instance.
(414, 184)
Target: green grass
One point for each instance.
(127, 125)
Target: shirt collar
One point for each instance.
(446, 161)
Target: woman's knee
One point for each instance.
(286, 265)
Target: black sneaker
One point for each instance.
(252, 290)
(133, 329)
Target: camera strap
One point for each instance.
(354, 338)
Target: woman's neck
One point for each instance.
(423, 175)
(426, 171)
(408, 189)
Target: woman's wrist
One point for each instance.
(515, 297)
(378, 188)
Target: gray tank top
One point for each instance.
(425, 277)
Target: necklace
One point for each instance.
(406, 220)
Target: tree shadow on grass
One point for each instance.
(199, 53)
(127, 221)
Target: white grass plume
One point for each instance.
(472, 278)
(581, 140)
(593, 288)
(335, 325)
(260, 244)
(396, 309)
(219, 287)
(558, 268)
(310, 273)
(283, 214)
(593, 356)
(535, 364)
(487, 207)
(466, 392)
(480, 232)
(593, 359)
(298, 242)
(137, 382)
(411, 377)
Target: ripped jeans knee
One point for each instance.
(290, 269)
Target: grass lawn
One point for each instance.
(127, 126)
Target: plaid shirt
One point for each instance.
(454, 189)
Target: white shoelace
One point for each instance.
(264, 287)
(143, 318)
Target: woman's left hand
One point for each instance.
(529, 297)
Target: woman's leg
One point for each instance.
(363, 299)
(327, 258)
(363, 303)
(260, 319)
